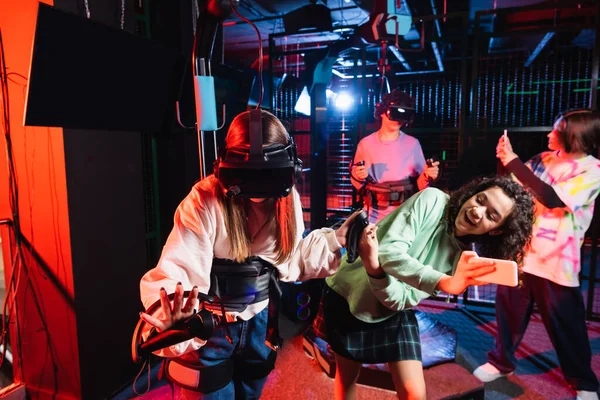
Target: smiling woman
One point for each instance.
(565, 182)
(484, 213)
(417, 250)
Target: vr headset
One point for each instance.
(259, 172)
(400, 113)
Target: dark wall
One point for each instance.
(108, 248)
(106, 217)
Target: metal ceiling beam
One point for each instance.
(538, 49)
(273, 17)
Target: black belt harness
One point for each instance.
(236, 285)
(396, 190)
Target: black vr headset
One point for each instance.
(258, 172)
(398, 106)
(400, 113)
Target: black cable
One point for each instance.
(14, 204)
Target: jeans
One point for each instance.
(248, 346)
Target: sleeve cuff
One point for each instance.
(429, 281)
(380, 283)
(332, 241)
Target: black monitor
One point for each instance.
(87, 75)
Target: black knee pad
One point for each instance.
(210, 380)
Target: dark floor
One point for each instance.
(537, 377)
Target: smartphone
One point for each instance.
(506, 272)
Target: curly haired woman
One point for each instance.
(418, 249)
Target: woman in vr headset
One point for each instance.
(566, 183)
(422, 247)
(389, 165)
(217, 236)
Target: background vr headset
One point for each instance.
(397, 106)
(259, 172)
(400, 113)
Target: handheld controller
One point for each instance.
(353, 235)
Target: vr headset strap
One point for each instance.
(255, 132)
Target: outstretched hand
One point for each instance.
(342, 231)
(175, 312)
(466, 273)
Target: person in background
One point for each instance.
(422, 247)
(565, 182)
(217, 236)
(389, 164)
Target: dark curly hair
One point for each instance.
(512, 243)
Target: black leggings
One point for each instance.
(563, 314)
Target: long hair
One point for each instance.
(580, 130)
(234, 209)
(514, 240)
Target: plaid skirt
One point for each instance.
(395, 339)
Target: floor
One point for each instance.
(537, 377)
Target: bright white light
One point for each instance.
(330, 93)
(303, 103)
(343, 101)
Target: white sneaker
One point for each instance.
(488, 373)
(585, 395)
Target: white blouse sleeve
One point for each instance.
(318, 255)
(186, 258)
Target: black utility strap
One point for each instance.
(256, 134)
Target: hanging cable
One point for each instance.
(260, 52)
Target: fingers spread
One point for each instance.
(191, 302)
(155, 322)
(165, 303)
(178, 299)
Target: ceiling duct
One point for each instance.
(311, 17)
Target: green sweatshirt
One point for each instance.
(415, 251)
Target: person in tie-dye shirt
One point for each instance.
(565, 182)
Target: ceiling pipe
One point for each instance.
(232, 23)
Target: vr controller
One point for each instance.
(201, 325)
(353, 235)
(367, 180)
(430, 162)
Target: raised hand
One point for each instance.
(504, 150)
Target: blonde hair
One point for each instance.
(234, 209)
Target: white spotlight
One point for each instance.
(343, 101)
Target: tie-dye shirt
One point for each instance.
(558, 233)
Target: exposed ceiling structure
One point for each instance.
(425, 45)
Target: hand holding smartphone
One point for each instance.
(506, 273)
